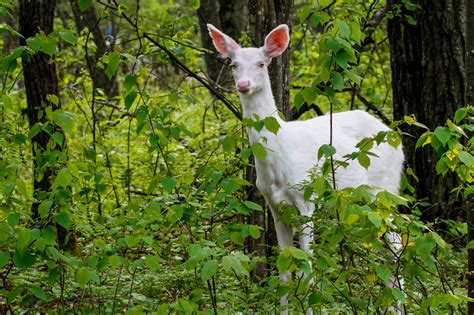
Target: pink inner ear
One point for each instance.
(276, 43)
(219, 42)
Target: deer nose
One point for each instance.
(243, 86)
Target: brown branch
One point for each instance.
(295, 114)
(374, 108)
(181, 66)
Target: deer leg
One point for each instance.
(284, 234)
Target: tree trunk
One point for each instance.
(88, 19)
(278, 12)
(40, 81)
(470, 101)
(428, 80)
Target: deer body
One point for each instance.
(292, 152)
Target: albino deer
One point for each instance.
(292, 152)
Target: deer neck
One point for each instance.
(262, 105)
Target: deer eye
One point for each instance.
(261, 65)
(234, 66)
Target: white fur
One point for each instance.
(292, 152)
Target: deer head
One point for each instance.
(250, 65)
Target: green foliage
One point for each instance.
(147, 210)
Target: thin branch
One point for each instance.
(374, 108)
(180, 65)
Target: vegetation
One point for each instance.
(124, 189)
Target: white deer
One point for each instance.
(292, 152)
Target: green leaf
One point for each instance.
(44, 207)
(253, 205)
(58, 137)
(383, 272)
(4, 258)
(443, 134)
(254, 231)
(352, 75)
(393, 138)
(49, 235)
(310, 94)
(364, 160)
(375, 218)
(141, 114)
(228, 144)
(337, 80)
(13, 219)
(304, 12)
(195, 4)
(326, 150)
(48, 45)
(38, 292)
(344, 29)
(236, 238)
(333, 44)
(152, 262)
(169, 183)
(283, 263)
(398, 295)
(272, 124)
(83, 276)
(298, 253)
(341, 59)
(356, 34)
(68, 37)
(424, 245)
(24, 237)
(129, 99)
(208, 270)
(34, 43)
(466, 158)
(460, 115)
(470, 245)
(130, 81)
(84, 4)
(390, 199)
(63, 178)
(63, 120)
(299, 100)
(63, 219)
(259, 151)
(231, 262)
(23, 259)
(308, 192)
(114, 61)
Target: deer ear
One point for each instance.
(223, 43)
(277, 41)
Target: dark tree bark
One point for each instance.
(88, 19)
(228, 16)
(278, 12)
(208, 13)
(40, 81)
(428, 80)
(470, 101)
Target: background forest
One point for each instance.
(127, 182)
